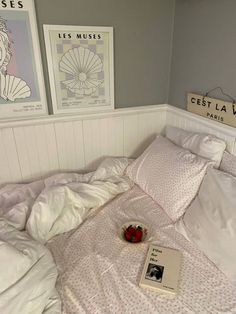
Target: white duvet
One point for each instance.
(44, 209)
(27, 275)
(60, 203)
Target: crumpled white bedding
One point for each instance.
(61, 202)
(27, 276)
(46, 208)
(99, 272)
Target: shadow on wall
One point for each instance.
(136, 152)
(143, 145)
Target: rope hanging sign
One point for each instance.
(212, 108)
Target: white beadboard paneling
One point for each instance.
(189, 121)
(9, 164)
(111, 132)
(37, 151)
(34, 148)
(140, 130)
(25, 143)
(92, 143)
(70, 145)
(149, 125)
(47, 148)
(102, 137)
(131, 136)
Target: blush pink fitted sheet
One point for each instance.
(99, 272)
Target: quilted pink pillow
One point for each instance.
(170, 174)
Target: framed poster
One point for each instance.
(22, 90)
(80, 65)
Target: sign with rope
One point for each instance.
(212, 108)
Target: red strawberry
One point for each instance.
(138, 235)
(132, 230)
(127, 235)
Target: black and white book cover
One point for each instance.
(162, 269)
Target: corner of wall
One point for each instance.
(171, 54)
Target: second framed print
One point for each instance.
(80, 65)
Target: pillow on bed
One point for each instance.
(210, 221)
(170, 174)
(204, 145)
(228, 163)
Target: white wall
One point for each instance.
(34, 148)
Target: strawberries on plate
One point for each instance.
(133, 233)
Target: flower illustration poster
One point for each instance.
(22, 90)
(80, 62)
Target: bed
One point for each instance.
(99, 273)
(67, 235)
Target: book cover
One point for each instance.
(161, 269)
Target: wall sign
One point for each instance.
(214, 109)
(22, 90)
(80, 64)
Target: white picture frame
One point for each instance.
(81, 68)
(22, 88)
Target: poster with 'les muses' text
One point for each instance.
(80, 64)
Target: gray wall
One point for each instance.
(204, 49)
(142, 42)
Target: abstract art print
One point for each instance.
(22, 90)
(80, 65)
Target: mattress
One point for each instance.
(99, 272)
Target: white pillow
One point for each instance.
(170, 174)
(228, 163)
(204, 145)
(210, 221)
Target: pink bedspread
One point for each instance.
(99, 273)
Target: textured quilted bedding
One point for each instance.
(99, 273)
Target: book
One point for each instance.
(161, 270)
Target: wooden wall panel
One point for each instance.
(149, 126)
(32, 149)
(37, 150)
(193, 122)
(111, 133)
(10, 170)
(25, 145)
(70, 145)
(92, 143)
(131, 139)
(102, 137)
(47, 147)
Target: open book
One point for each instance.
(162, 269)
